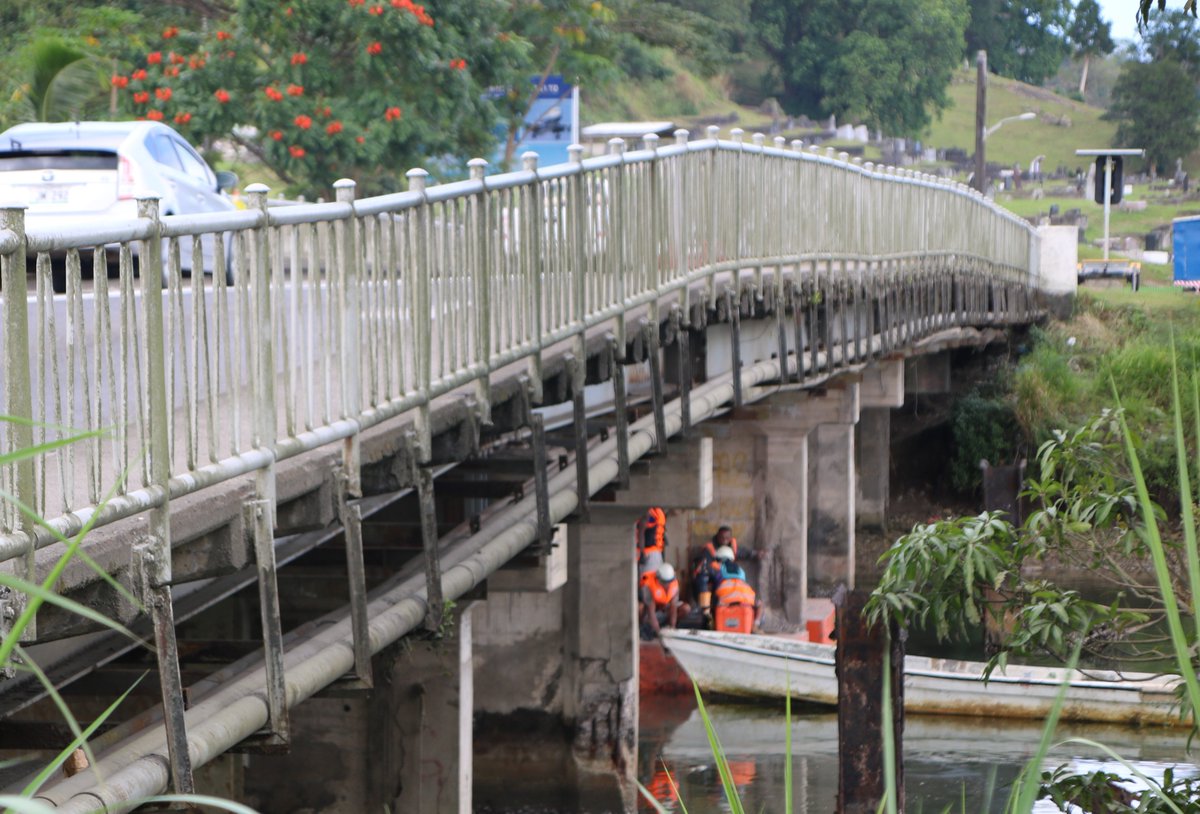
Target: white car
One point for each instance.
(70, 173)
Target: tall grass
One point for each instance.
(37, 594)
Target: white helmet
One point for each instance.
(725, 553)
(666, 572)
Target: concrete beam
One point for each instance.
(682, 479)
(882, 385)
(831, 540)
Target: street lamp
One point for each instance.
(1023, 117)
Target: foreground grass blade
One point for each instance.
(787, 766)
(1153, 787)
(1183, 655)
(63, 710)
(1025, 787)
(891, 793)
(731, 793)
(19, 805)
(44, 775)
(649, 798)
(1185, 487)
(38, 592)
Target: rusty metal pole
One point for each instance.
(860, 660)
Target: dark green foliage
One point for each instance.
(1024, 39)
(1175, 36)
(983, 428)
(1105, 791)
(886, 64)
(1155, 106)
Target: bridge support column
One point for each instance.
(833, 486)
(405, 745)
(600, 693)
(881, 390)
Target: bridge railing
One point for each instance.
(340, 315)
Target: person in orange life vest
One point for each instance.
(733, 589)
(651, 539)
(658, 599)
(706, 570)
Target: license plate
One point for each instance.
(50, 194)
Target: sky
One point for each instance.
(1123, 16)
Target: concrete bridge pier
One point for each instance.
(881, 390)
(403, 746)
(561, 656)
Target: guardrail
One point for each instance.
(341, 315)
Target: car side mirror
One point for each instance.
(226, 180)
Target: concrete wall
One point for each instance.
(1059, 256)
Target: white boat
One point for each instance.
(749, 665)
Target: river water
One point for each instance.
(967, 764)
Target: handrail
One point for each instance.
(442, 285)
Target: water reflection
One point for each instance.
(966, 764)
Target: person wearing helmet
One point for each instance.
(658, 600)
(733, 589)
(706, 569)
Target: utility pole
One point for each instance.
(980, 121)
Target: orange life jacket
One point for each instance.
(662, 594)
(735, 591)
(708, 558)
(654, 532)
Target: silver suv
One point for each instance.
(69, 173)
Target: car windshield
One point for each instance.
(57, 160)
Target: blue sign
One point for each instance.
(551, 124)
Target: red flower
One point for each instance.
(458, 64)
(359, 139)
(163, 94)
(224, 35)
(222, 95)
(357, 2)
(299, 58)
(303, 122)
(295, 90)
(141, 97)
(374, 48)
(376, 10)
(154, 58)
(328, 111)
(195, 62)
(288, 11)
(296, 151)
(177, 59)
(139, 74)
(120, 81)
(154, 115)
(183, 118)
(172, 71)
(391, 114)
(277, 135)
(169, 32)
(272, 93)
(333, 128)
(230, 54)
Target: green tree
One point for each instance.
(1156, 108)
(324, 89)
(1174, 36)
(886, 63)
(1024, 39)
(1091, 36)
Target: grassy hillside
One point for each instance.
(1062, 126)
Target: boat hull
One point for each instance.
(769, 667)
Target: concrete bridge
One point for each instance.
(385, 482)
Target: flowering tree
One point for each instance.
(324, 89)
